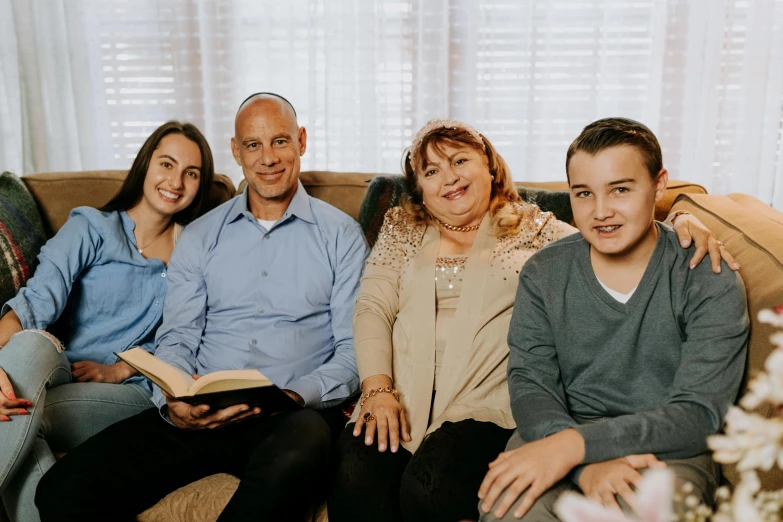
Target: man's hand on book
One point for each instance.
(199, 417)
(88, 371)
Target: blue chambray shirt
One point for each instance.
(280, 301)
(92, 282)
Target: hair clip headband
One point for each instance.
(442, 124)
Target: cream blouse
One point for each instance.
(448, 283)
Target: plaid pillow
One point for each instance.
(384, 192)
(21, 235)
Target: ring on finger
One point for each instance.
(368, 417)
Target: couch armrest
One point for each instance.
(753, 232)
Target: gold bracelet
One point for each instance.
(373, 393)
(678, 213)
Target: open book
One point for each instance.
(217, 389)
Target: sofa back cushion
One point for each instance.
(57, 193)
(21, 235)
(344, 190)
(753, 233)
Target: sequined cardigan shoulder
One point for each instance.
(400, 237)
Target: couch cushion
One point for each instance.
(753, 233)
(200, 501)
(21, 235)
(57, 193)
(203, 501)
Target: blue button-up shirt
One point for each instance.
(279, 300)
(102, 295)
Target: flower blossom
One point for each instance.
(653, 503)
(751, 441)
(768, 385)
(773, 317)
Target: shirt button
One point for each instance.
(156, 303)
(266, 236)
(264, 273)
(255, 342)
(260, 310)
(163, 274)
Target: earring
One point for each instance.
(493, 177)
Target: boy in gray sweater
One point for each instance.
(622, 356)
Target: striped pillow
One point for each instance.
(21, 235)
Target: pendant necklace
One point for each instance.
(141, 249)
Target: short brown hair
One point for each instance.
(614, 132)
(505, 220)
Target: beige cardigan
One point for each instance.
(394, 320)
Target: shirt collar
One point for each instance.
(128, 225)
(299, 206)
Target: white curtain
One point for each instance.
(85, 81)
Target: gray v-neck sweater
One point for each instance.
(660, 370)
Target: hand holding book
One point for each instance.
(217, 390)
(199, 416)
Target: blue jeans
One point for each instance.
(63, 415)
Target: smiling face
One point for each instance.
(172, 179)
(613, 199)
(456, 184)
(267, 145)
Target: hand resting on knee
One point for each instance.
(604, 481)
(384, 413)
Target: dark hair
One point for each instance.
(265, 94)
(614, 132)
(133, 187)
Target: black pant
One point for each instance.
(437, 483)
(128, 467)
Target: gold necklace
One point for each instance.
(141, 249)
(471, 228)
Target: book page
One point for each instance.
(229, 380)
(168, 377)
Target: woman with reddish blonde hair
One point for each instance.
(430, 328)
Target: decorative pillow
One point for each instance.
(21, 235)
(384, 192)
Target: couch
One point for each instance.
(751, 230)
